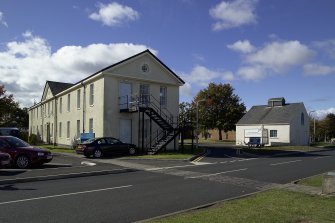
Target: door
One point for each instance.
(125, 130)
(124, 95)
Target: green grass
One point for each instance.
(187, 153)
(268, 207)
(314, 181)
(58, 149)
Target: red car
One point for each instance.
(4, 159)
(23, 154)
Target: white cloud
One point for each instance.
(320, 114)
(186, 90)
(114, 14)
(252, 72)
(243, 46)
(281, 56)
(231, 14)
(202, 76)
(318, 69)
(26, 66)
(328, 46)
(2, 20)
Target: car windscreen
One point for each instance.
(15, 142)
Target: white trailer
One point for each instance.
(256, 137)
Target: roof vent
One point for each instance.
(273, 102)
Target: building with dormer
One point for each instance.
(277, 123)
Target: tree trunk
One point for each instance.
(220, 134)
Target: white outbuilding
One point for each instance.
(277, 123)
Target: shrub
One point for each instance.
(33, 139)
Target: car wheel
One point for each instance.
(22, 162)
(97, 153)
(132, 151)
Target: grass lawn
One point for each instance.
(270, 206)
(57, 149)
(209, 141)
(186, 154)
(314, 181)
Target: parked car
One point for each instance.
(99, 147)
(5, 159)
(23, 154)
(9, 131)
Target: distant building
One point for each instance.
(277, 123)
(135, 100)
(214, 134)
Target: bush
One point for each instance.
(24, 136)
(33, 139)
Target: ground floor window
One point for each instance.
(68, 130)
(90, 127)
(273, 133)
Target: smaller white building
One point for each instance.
(277, 123)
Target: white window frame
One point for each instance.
(68, 129)
(68, 102)
(78, 128)
(91, 94)
(90, 125)
(60, 130)
(78, 99)
(60, 105)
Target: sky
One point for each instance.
(263, 48)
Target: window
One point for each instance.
(60, 129)
(162, 97)
(273, 133)
(60, 105)
(37, 112)
(302, 119)
(90, 127)
(41, 111)
(78, 128)
(78, 98)
(145, 94)
(52, 129)
(91, 94)
(48, 108)
(68, 130)
(68, 102)
(52, 107)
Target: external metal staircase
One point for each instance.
(150, 106)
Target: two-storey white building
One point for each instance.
(135, 100)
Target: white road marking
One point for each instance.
(62, 195)
(293, 161)
(241, 160)
(213, 174)
(172, 167)
(88, 163)
(65, 174)
(322, 157)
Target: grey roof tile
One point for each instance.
(262, 114)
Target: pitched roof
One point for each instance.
(56, 87)
(263, 114)
(129, 58)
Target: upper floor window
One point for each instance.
(68, 102)
(78, 98)
(91, 94)
(162, 97)
(60, 105)
(302, 117)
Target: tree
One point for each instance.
(328, 126)
(221, 109)
(10, 112)
(7, 107)
(186, 114)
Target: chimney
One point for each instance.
(273, 102)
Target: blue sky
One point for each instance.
(264, 48)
